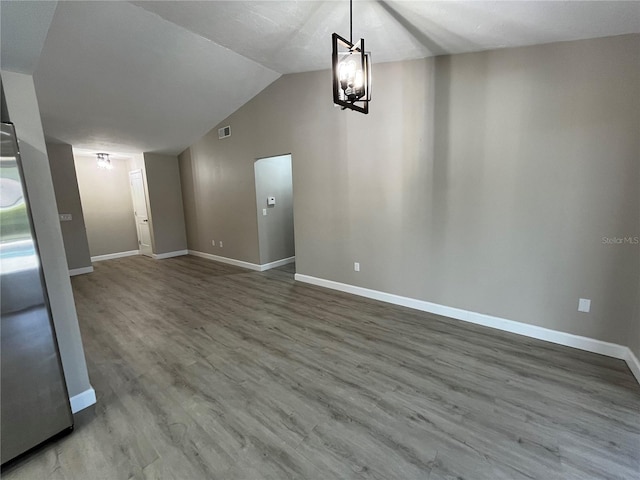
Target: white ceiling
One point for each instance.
(156, 76)
(23, 30)
(295, 36)
(115, 77)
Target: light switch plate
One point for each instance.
(264, 211)
(584, 305)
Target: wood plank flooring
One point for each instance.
(207, 371)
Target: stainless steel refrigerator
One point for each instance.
(34, 400)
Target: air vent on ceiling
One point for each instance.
(224, 132)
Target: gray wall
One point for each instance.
(219, 195)
(634, 337)
(4, 113)
(538, 150)
(65, 184)
(162, 178)
(275, 230)
(482, 181)
(107, 205)
(23, 109)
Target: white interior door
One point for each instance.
(140, 212)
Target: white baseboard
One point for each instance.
(111, 256)
(277, 263)
(80, 271)
(241, 263)
(177, 253)
(227, 260)
(533, 331)
(634, 364)
(83, 400)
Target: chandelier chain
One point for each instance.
(351, 22)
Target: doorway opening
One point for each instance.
(274, 201)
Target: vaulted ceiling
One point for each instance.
(156, 76)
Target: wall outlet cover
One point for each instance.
(220, 243)
(356, 266)
(65, 217)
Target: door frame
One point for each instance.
(260, 208)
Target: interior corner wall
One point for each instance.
(166, 212)
(25, 114)
(491, 182)
(107, 205)
(65, 184)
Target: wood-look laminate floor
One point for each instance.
(206, 371)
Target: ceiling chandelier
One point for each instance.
(351, 71)
(104, 161)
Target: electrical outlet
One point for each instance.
(213, 242)
(584, 305)
(65, 217)
(264, 211)
(356, 266)
(221, 244)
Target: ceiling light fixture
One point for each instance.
(104, 161)
(351, 71)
